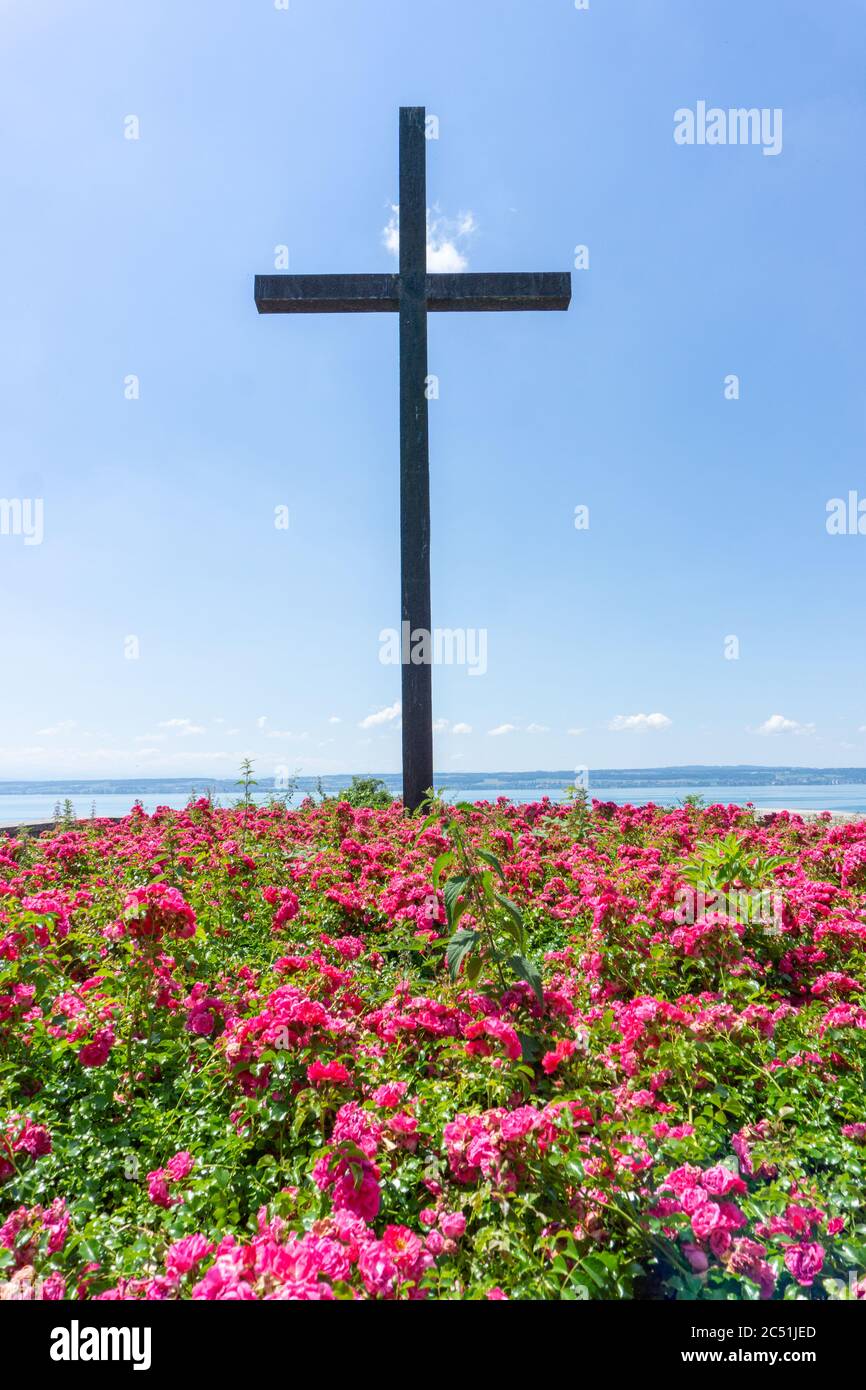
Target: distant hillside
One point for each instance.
(694, 775)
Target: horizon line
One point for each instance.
(461, 773)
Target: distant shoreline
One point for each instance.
(694, 776)
(60, 802)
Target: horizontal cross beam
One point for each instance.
(380, 294)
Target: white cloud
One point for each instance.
(121, 759)
(151, 755)
(575, 732)
(639, 723)
(537, 729)
(382, 716)
(56, 728)
(502, 729)
(220, 757)
(262, 721)
(183, 726)
(391, 233)
(286, 733)
(444, 726)
(778, 724)
(445, 236)
(335, 719)
(445, 259)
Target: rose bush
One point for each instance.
(242, 1057)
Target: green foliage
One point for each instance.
(246, 782)
(366, 791)
(64, 814)
(573, 1213)
(730, 862)
(497, 938)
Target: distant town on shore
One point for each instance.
(693, 775)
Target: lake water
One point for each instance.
(851, 797)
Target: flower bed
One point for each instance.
(524, 1052)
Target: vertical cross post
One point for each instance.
(412, 294)
(417, 689)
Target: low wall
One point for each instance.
(38, 827)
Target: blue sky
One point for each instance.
(261, 127)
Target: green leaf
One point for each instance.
(516, 935)
(531, 1048)
(441, 863)
(451, 892)
(516, 925)
(492, 861)
(458, 948)
(527, 970)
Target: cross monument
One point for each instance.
(413, 293)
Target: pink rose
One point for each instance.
(805, 1261)
(334, 1072)
(705, 1220)
(720, 1181)
(157, 1188)
(518, 1123)
(720, 1242)
(696, 1258)
(180, 1166)
(95, 1054)
(692, 1198)
(54, 1287)
(201, 1023)
(185, 1254)
(389, 1095)
(34, 1140)
(452, 1224)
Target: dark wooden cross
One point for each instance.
(411, 294)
